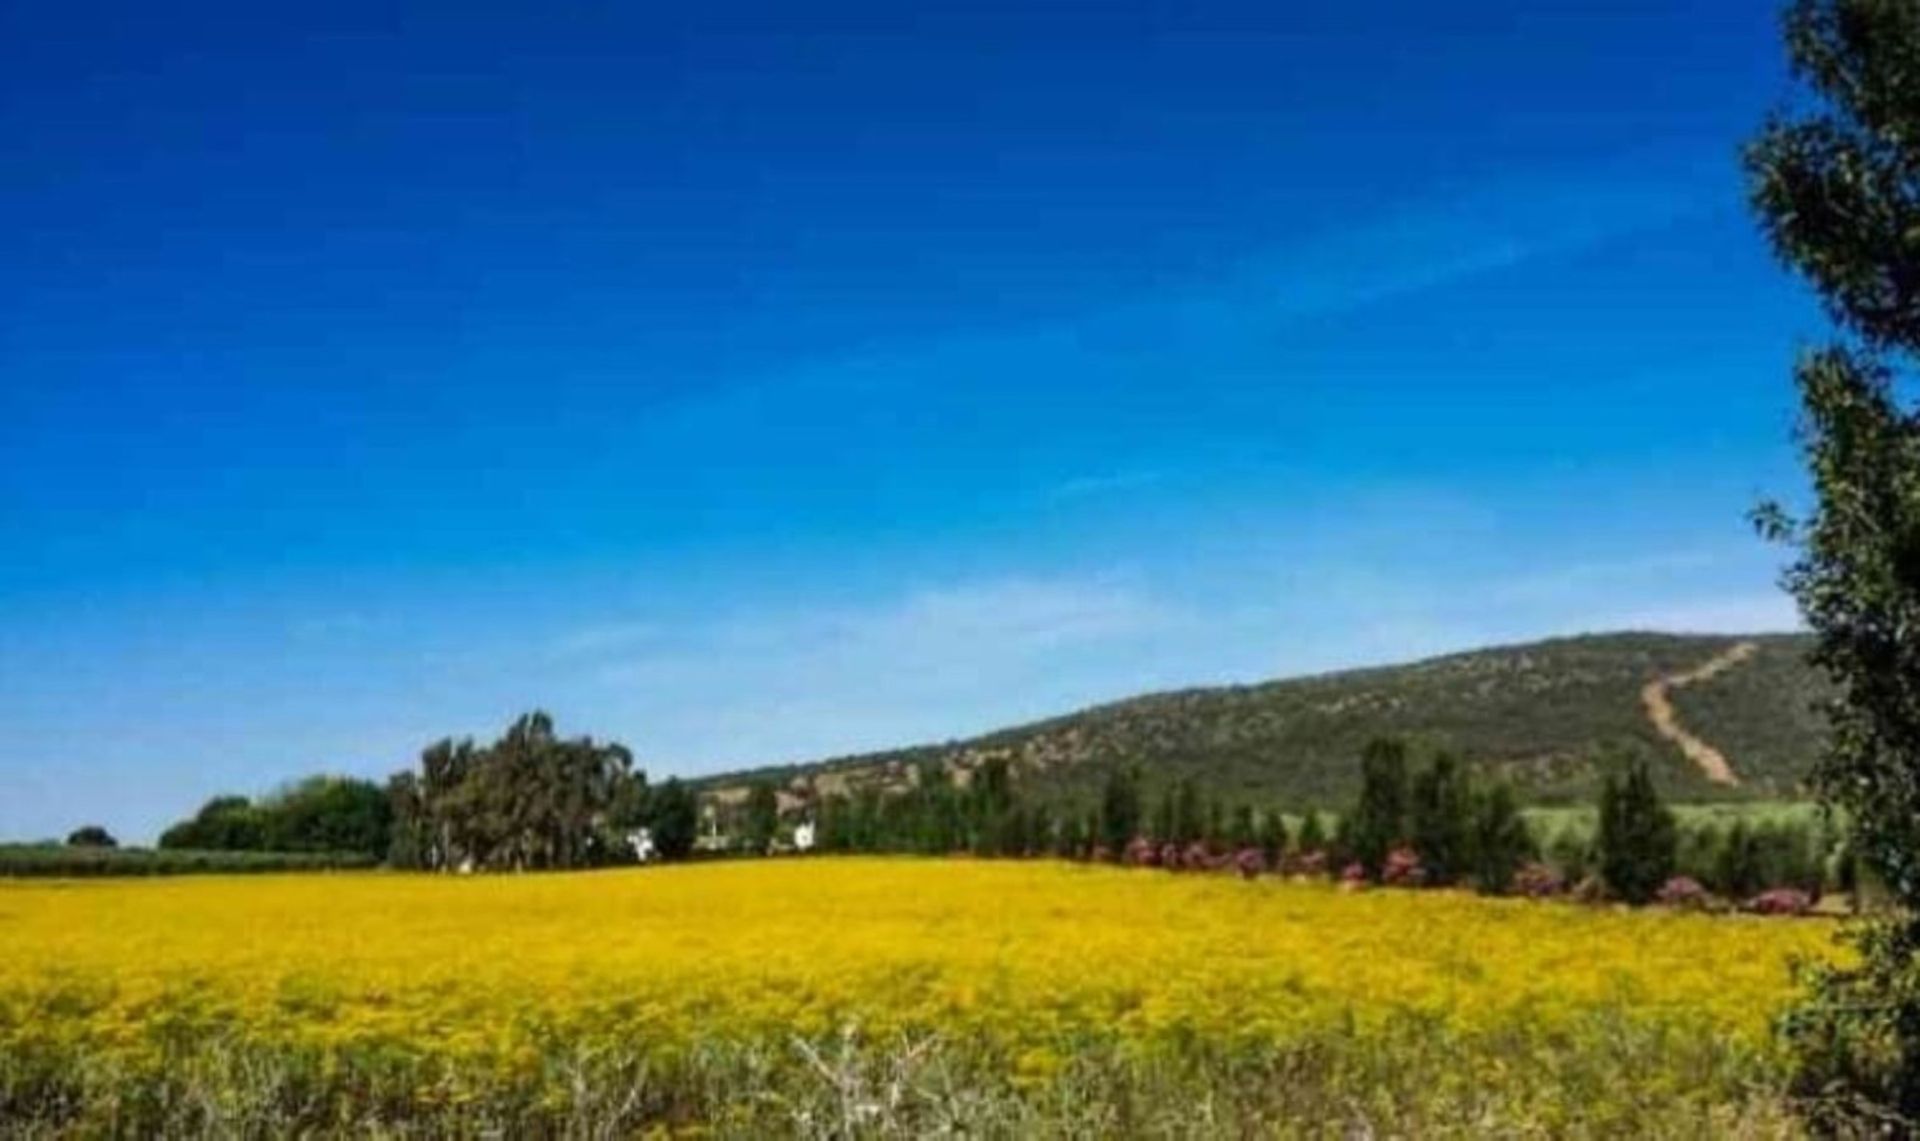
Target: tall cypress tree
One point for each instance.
(1637, 840)
(1273, 835)
(1119, 819)
(1440, 820)
(1189, 821)
(1379, 819)
(1313, 834)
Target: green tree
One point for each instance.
(1014, 836)
(1189, 816)
(1501, 841)
(1313, 834)
(1041, 837)
(91, 836)
(1165, 812)
(225, 824)
(1440, 820)
(410, 837)
(675, 819)
(1069, 838)
(1379, 819)
(1243, 829)
(1273, 836)
(329, 814)
(762, 817)
(1636, 840)
(1736, 868)
(1837, 188)
(1119, 809)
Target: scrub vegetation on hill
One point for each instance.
(1552, 718)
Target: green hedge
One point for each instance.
(62, 860)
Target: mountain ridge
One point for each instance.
(1551, 716)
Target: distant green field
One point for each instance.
(1550, 822)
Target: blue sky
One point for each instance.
(752, 383)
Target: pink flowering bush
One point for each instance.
(1781, 901)
(1312, 863)
(1403, 869)
(1536, 880)
(1197, 857)
(1682, 892)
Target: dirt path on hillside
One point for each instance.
(1657, 697)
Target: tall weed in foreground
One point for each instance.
(1408, 1078)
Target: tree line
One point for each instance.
(1458, 831)
(529, 800)
(533, 800)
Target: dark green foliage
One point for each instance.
(1737, 873)
(1242, 828)
(1501, 841)
(675, 819)
(91, 836)
(1164, 810)
(1313, 834)
(1635, 842)
(1120, 809)
(410, 837)
(988, 811)
(529, 800)
(762, 817)
(1378, 821)
(329, 814)
(64, 860)
(1189, 818)
(1014, 835)
(1273, 836)
(1069, 840)
(223, 824)
(1834, 188)
(319, 814)
(1837, 187)
(1042, 830)
(1440, 820)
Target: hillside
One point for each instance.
(1546, 715)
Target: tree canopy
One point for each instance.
(532, 799)
(1836, 184)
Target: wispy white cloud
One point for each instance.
(1431, 239)
(951, 658)
(1446, 237)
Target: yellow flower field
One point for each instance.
(1030, 964)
